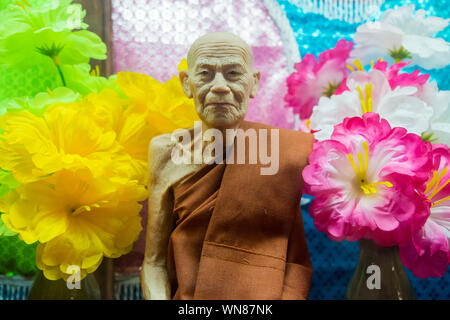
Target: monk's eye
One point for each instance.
(204, 73)
(233, 73)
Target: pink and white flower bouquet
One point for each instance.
(379, 168)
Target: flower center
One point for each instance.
(361, 171)
(366, 102)
(358, 66)
(434, 186)
(399, 54)
(51, 51)
(329, 91)
(87, 208)
(428, 136)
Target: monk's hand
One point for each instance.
(155, 282)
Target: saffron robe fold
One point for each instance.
(239, 234)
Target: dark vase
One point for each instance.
(44, 289)
(379, 275)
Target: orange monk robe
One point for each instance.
(239, 234)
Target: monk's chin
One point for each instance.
(221, 121)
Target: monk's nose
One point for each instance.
(220, 84)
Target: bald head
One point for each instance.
(220, 78)
(220, 41)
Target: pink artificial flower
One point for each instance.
(427, 252)
(364, 180)
(435, 115)
(371, 92)
(314, 79)
(428, 92)
(304, 126)
(395, 79)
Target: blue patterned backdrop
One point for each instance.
(334, 262)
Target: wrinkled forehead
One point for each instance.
(220, 52)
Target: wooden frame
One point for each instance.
(98, 17)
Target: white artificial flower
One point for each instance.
(371, 92)
(401, 34)
(439, 131)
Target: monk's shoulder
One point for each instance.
(161, 141)
(296, 146)
(163, 171)
(160, 150)
(290, 139)
(301, 138)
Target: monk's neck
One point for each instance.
(208, 140)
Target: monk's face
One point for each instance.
(221, 80)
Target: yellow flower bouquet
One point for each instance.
(76, 156)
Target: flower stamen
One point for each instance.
(431, 183)
(369, 97)
(87, 208)
(359, 65)
(440, 201)
(307, 123)
(361, 171)
(361, 99)
(435, 184)
(366, 102)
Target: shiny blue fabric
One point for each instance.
(334, 262)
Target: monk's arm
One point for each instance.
(154, 279)
(298, 273)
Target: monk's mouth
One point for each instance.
(220, 104)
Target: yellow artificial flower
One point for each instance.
(171, 109)
(183, 65)
(133, 133)
(77, 219)
(32, 147)
(139, 87)
(154, 109)
(105, 108)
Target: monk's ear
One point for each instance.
(184, 79)
(256, 78)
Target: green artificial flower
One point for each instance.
(7, 184)
(57, 15)
(38, 104)
(29, 48)
(38, 35)
(82, 79)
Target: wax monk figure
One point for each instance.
(221, 230)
